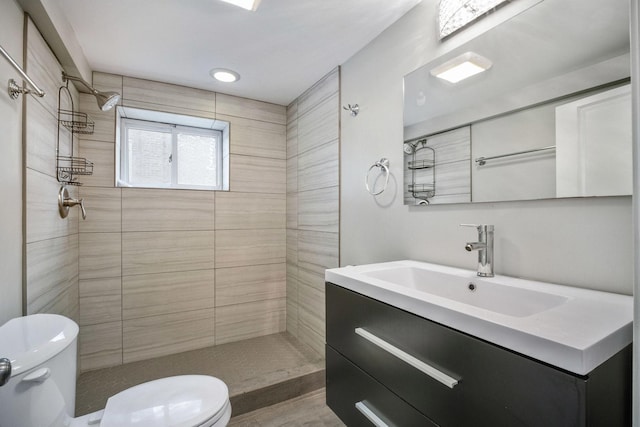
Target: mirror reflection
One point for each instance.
(548, 114)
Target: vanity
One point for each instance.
(419, 344)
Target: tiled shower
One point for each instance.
(154, 272)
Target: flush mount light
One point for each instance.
(224, 75)
(251, 5)
(461, 67)
(455, 14)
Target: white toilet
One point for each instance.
(41, 390)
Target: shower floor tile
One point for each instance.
(259, 372)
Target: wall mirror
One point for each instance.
(550, 117)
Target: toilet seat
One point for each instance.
(181, 401)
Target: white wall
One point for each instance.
(11, 22)
(581, 242)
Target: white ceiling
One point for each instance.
(280, 50)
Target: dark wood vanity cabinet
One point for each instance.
(480, 384)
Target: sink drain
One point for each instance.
(472, 287)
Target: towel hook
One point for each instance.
(383, 164)
(353, 109)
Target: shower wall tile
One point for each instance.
(152, 255)
(41, 139)
(256, 138)
(254, 319)
(292, 246)
(311, 310)
(51, 258)
(168, 97)
(43, 68)
(319, 125)
(237, 248)
(249, 284)
(165, 293)
(43, 219)
(318, 210)
(167, 251)
(313, 127)
(326, 87)
(292, 174)
(292, 130)
(104, 210)
(100, 346)
(165, 209)
(100, 301)
(311, 338)
(250, 210)
(102, 154)
(229, 105)
(155, 336)
(100, 255)
(317, 251)
(251, 174)
(318, 167)
(292, 210)
(104, 121)
(52, 270)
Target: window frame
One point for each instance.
(173, 124)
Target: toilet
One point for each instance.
(42, 386)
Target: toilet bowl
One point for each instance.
(41, 390)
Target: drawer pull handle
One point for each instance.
(370, 415)
(407, 358)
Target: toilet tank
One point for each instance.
(41, 391)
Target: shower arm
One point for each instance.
(66, 77)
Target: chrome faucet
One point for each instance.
(484, 246)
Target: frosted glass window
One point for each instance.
(149, 155)
(197, 160)
(164, 155)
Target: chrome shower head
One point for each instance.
(409, 147)
(106, 100)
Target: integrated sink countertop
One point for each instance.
(572, 328)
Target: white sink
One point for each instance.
(508, 300)
(571, 328)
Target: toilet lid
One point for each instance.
(182, 401)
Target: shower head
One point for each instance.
(106, 100)
(409, 147)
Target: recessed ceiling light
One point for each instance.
(245, 4)
(461, 67)
(224, 75)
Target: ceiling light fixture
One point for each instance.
(461, 67)
(251, 5)
(224, 75)
(455, 14)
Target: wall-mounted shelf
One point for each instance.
(76, 122)
(422, 165)
(69, 167)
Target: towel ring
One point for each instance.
(383, 164)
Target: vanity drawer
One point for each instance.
(495, 387)
(351, 393)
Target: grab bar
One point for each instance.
(409, 359)
(483, 160)
(14, 88)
